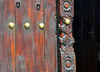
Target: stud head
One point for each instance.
(41, 25)
(27, 25)
(11, 25)
(67, 21)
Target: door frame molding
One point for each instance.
(65, 36)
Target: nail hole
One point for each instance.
(38, 6)
(18, 4)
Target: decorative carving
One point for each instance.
(68, 62)
(65, 37)
(67, 7)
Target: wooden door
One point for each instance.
(84, 34)
(28, 49)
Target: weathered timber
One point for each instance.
(36, 48)
(7, 36)
(50, 35)
(29, 42)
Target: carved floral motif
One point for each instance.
(66, 38)
(67, 7)
(68, 62)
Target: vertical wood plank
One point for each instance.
(29, 42)
(50, 36)
(7, 36)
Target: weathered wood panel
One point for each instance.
(50, 35)
(29, 42)
(35, 48)
(7, 36)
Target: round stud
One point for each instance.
(41, 25)
(11, 25)
(27, 25)
(67, 21)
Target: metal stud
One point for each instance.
(27, 25)
(11, 25)
(67, 21)
(41, 25)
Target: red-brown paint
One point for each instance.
(7, 36)
(28, 50)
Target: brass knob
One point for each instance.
(27, 25)
(41, 25)
(67, 21)
(11, 25)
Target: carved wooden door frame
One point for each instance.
(66, 40)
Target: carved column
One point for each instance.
(68, 63)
